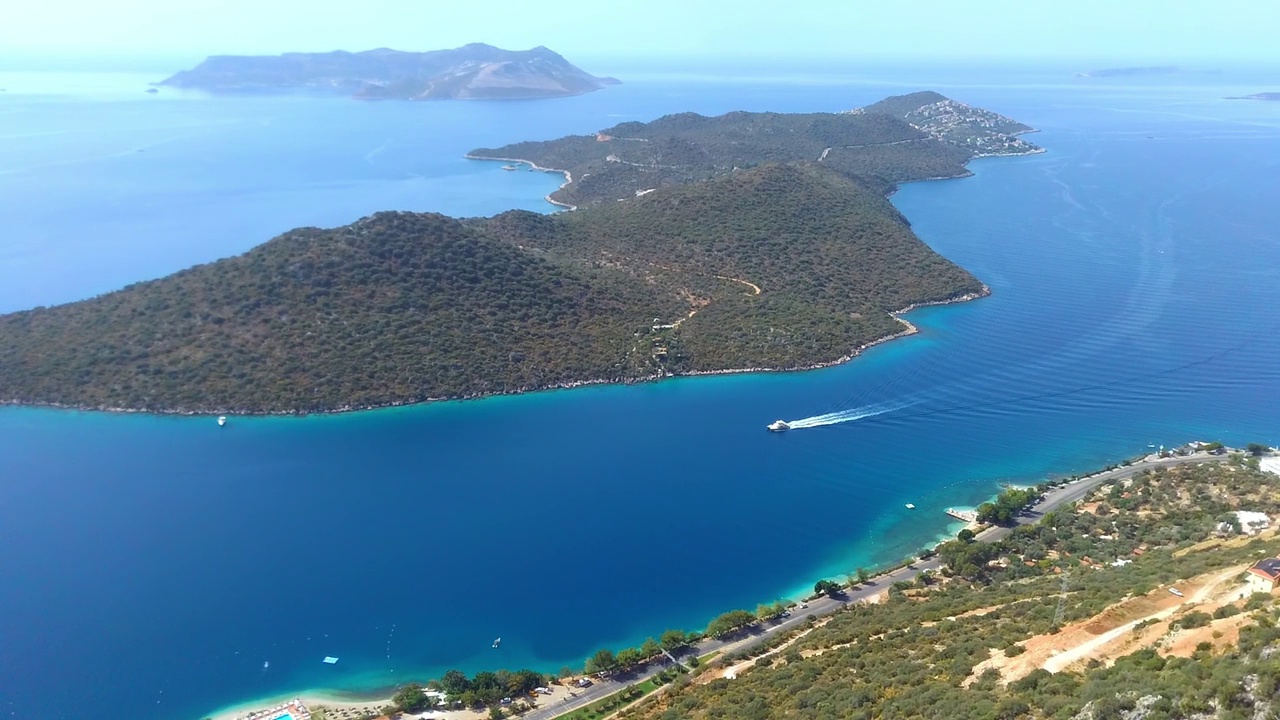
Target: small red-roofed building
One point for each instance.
(1264, 576)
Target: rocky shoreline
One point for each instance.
(908, 329)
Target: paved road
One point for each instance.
(1075, 490)
(824, 605)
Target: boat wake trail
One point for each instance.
(844, 416)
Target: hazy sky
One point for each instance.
(1140, 30)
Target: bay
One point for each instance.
(151, 565)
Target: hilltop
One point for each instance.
(908, 137)
(475, 71)
(772, 248)
(975, 131)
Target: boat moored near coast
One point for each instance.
(778, 426)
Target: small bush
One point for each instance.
(1225, 611)
(1194, 619)
(1258, 601)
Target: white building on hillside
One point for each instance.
(1264, 576)
(1252, 523)
(1269, 464)
(1247, 522)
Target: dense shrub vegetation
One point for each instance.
(907, 137)
(402, 307)
(688, 147)
(915, 655)
(749, 254)
(397, 307)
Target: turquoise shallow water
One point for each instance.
(152, 564)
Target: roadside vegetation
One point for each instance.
(934, 649)
(972, 640)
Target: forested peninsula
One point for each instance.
(745, 241)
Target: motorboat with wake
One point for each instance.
(778, 426)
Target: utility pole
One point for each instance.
(1062, 599)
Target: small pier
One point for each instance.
(965, 515)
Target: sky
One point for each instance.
(1140, 31)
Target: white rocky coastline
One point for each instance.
(568, 176)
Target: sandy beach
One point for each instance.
(333, 706)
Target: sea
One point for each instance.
(158, 568)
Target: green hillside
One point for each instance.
(747, 240)
(909, 137)
(971, 644)
(397, 307)
(403, 307)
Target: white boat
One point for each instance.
(911, 506)
(266, 664)
(497, 642)
(778, 426)
(222, 420)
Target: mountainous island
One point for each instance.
(472, 72)
(745, 241)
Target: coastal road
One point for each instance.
(1078, 489)
(824, 605)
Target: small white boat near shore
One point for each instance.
(222, 420)
(911, 506)
(497, 642)
(778, 426)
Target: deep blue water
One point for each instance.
(151, 564)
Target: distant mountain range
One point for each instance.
(1268, 96)
(472, 72)
(1127, 71)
